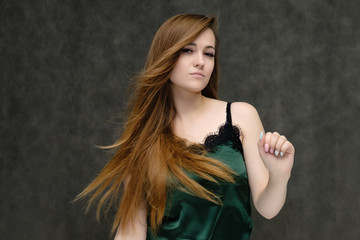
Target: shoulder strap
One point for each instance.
(228, 113)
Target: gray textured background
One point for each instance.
(63, 71)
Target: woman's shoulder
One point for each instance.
(244, 114)
(242, 108)
(239, 110)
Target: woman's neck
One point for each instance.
(188, 105)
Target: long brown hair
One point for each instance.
(149, 158)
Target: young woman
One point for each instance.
(186, 163)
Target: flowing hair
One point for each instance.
(149, 159)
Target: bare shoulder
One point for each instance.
(246, 117)
(243, 111)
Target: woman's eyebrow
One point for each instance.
(194, 44)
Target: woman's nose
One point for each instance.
(199, 61)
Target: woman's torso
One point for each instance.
(191, 217)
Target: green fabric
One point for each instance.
(190, 217)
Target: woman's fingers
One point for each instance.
(287, 147)
(276, 144)
(267, 142)
(274, 138)
(279, 144)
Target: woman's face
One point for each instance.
(195, 65)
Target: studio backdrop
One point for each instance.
(65, 68)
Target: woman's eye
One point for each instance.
(210, 54)
(186, 50)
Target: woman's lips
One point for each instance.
(197, 74)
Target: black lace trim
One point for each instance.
(227, 133)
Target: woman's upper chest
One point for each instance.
(197, 127)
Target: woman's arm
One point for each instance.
(268, 161)
(137, 230)
(278, 156)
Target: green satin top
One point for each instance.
(191, 217)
